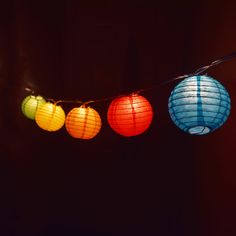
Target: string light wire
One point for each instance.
(199, 71)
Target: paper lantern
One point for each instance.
(199, 105)
(50, 117)
(83, 122)
(30, 105)
(130, 115)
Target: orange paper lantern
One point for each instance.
(130, 115)
(83, 122)
(50, 117)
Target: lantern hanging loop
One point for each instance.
(85, 104)
(51, 100)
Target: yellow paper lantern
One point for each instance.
(30, 105)
(83, 122)
(50, 117)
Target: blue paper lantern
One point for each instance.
(199, 105)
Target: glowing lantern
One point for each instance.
(130, 115)
(50, 117)
(199, 105)
(83, 122)
(30, 105)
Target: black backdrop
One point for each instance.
(163, 182)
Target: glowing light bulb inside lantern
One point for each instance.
(199, 105)
(130, 115)
(50, 117)
(30, 105)
(83, 122)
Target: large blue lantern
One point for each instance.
(199, 105)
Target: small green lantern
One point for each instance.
(30, 105)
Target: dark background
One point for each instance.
(163, 182)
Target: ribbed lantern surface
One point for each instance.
(30, 105)
(130, 115)
(199, 105)
(50, 117)
(83, 122)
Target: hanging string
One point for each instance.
(215, 63)
(199, 71)
(67, 101)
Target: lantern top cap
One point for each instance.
(35, 96)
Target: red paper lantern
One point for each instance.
(130, 115)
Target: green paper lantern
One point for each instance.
(30, 105)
